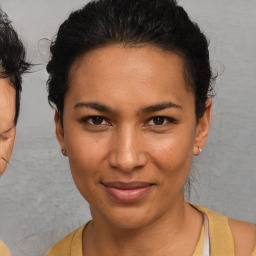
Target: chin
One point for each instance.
(129, 222)
(127, 217)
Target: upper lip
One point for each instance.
(127, 185)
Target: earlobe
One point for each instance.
(202, 129)
(60, 132)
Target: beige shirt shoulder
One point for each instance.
(4, 251)
(225, 236)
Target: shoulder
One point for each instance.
(66, 245)
(244, 235)
(4, 251)
(230, 235)
(63, 246)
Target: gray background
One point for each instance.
(39, 202)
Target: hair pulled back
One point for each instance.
(12, 58)
(159, 23)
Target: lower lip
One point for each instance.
(128, 195)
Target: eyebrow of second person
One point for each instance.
(148, 109)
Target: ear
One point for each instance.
(202, 128)
(60, 132)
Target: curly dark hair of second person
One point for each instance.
(12, 58)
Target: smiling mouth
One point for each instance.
(127, 192)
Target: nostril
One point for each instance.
(127, 161)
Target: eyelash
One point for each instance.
(3, 137)
(167, 121)
(86, 120)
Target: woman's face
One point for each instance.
(130, 132)
(7, 125)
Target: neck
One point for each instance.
(171, 234)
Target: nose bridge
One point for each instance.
(127, 153)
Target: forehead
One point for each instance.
(7, 103)
(147, 58)
(132, 74)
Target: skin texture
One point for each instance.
(128, 145)
(7, 125)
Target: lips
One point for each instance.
(127, 192)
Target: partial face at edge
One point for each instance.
(7, 125)
(129, 117)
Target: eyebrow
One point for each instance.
(160, 106)
(94, 105)
(105, 109)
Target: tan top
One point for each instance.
(4, 251)
(221, 240)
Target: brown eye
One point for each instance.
(159, 120)
(96, 120)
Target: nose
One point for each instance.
(127, 152)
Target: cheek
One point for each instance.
(172, 160)
(3, 166)
(6, 148)
(86, 157)
(84, 168)
(172, 152)
(90, 149)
